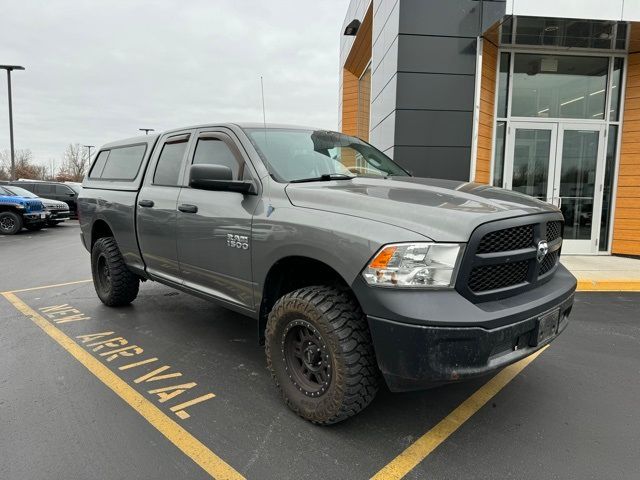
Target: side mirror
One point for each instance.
(217, 177)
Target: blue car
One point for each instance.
(17, 212)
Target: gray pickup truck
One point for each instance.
(354, 270)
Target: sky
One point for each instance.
(98, 71)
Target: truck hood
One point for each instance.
(443, 210)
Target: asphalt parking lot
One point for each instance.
(75, 402)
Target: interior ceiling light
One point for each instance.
(352, 28)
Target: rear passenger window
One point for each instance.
(213, 151)
(169, 163)
(41, 189)
(98, 164)
(63, 190)
(122, 163)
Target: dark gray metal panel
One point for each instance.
(492, 11)
(451, 163)
(454, 18)
(419, 53)
(433, 128)
(435, 91)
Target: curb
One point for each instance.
(615, 285)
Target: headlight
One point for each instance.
(414, 265)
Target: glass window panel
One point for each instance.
(621, 36)
(532, 149)
(507, 29)
(98, 164)
(578, 181)
(169, 163)
(616, 82)
(558, 32)
(605, 221)
(503, 85)
(123, 163)
(498, 160)
(213, 151)
(559, 86)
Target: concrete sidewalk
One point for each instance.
(604, 273)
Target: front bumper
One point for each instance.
(32, 218)
(429, 338)
(59, 215)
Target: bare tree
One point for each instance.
(25, 168)
(74, 163)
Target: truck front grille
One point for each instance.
(501, 257)
(492, 277)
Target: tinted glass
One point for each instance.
(531, 154)
(63, 190)
(123, 163)
(577, 181)
(42, 189)
(498, 161)
(98, 164)
(21, 192)
(503, 85)
(559, 32)
(169, 163)
(559, 86)
(605, 220)
(214, 151)
(302, 154)
(616, 83)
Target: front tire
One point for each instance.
(115, 284)
(320, 354)
(10, 223)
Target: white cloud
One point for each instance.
(98, 71)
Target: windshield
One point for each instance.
(20, 192)
(294, 155)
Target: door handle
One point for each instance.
(146, 203)
(186, 208)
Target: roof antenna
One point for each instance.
(270, 207)
(264, 111)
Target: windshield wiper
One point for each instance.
(325, 178)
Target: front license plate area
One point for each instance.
(42, 215)
(546, 327)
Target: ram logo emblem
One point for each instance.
(238, 241)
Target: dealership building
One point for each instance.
(537, 96)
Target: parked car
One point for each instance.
(58, 211)
(17, 212)
(353, 269)
(53, 190)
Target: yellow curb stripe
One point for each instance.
(176, 434)
(614, 285)
(421, 448)
(48, 286)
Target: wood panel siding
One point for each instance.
(355, 107)
(486, 118)
(626, 227)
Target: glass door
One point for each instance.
(577, 184)
(530, 157)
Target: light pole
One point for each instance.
(147, 130)
(89, 147)
(9, 69)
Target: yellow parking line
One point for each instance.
(421, 448)
(611, 285)
(177, 435)
(47, 286)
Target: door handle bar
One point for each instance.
(186, 208)
(146, 203)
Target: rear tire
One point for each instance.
(115, 284)
(10, 223)
(320, 354)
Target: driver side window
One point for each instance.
(214, 151)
